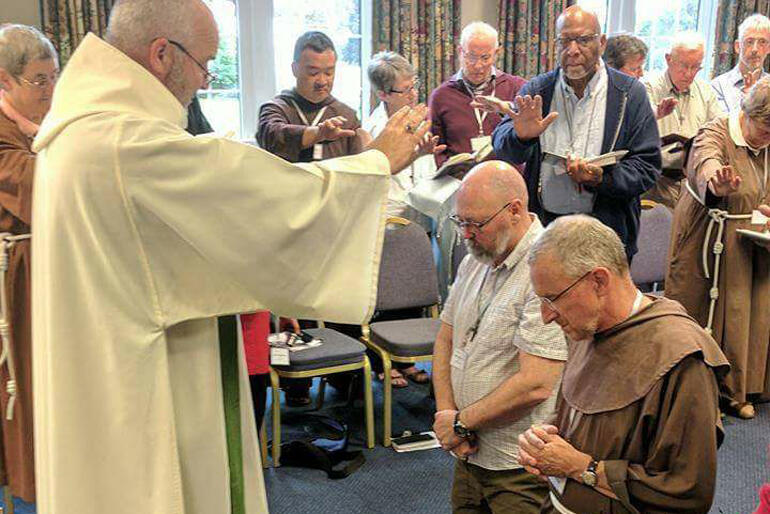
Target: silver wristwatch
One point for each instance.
(588, 476)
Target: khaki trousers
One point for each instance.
(477, 490)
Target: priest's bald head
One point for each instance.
(580, 272)
(491, 211)
(173, 39)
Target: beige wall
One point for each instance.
(20, 11)
(479, 10)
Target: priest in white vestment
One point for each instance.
(143, 235)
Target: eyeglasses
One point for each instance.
(210, 77)
(582, 41)
(692, 68)
(473, 59)
(476, 225)
(42, 83)
(411, 89)
(760, 42)
(551, 302)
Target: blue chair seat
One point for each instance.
(406, 338)
(337, 350)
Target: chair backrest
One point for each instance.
(650, 263)
(407, 271)
(459, 251)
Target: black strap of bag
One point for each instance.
(307, 455)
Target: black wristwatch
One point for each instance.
(460, 429)
(589, 476)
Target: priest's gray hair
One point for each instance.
(756, 104)
(687, 40)
(580, 243)
(755, 22)
(22, 44)
(386, 68)
(478, 29)
(134, 24)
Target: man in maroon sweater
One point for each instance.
(458, 125)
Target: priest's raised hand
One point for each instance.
(401, 136)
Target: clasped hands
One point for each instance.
(543, 452)
(443, 426)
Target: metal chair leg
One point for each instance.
(8, 499)
(321, 393)
(388, 400)
(276, 407)
(262, 435)
(368, 403)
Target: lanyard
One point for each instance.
(478, 112)
(481, 311)
(304, 118)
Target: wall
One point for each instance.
(479, 10)
(20, 11)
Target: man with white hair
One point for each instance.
(495, 365)
(143, 235)
(637, 417)
(752, 47)
(459, 125)
(682, 104)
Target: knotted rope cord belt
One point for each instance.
(7, 242)
(718, 219)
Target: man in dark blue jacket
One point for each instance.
(590, 110)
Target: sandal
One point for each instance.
(743, 410)
(397, 380)
(416, 375)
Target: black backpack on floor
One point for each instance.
(326, 450)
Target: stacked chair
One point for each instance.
(648, 268)
(408, 279)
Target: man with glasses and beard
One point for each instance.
(581, 110)
(495, 365)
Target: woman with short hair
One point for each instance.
(29, 69)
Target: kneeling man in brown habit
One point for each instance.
(637, 422)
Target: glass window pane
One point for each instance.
(338, 19)
(658, 20)
(599, 7)
(221, 102)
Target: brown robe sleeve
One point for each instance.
(679, 474)
(277, 135)
(17, 168)
(707, 155)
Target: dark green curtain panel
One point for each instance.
(426, 32)
(730, 14)
(66, 22)
(527, 31)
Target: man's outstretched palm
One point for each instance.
(528, 120)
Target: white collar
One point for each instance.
(736, 134)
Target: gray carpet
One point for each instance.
(419, 482)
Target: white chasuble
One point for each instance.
(144, 234)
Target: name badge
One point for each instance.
(480, 142)
(459, 357)
(757, 218)
(318, 152)
(279, 356)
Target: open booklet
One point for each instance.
(605, 159)
(463, 161)
(762, 238)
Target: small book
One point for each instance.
(605, 159)
(672, 138)
(762, 238)
(412, 443)
(462, 162)
(294, 342)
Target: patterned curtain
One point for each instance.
(528, 32)
(730, 14)
(426, 32)
(66, 22)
